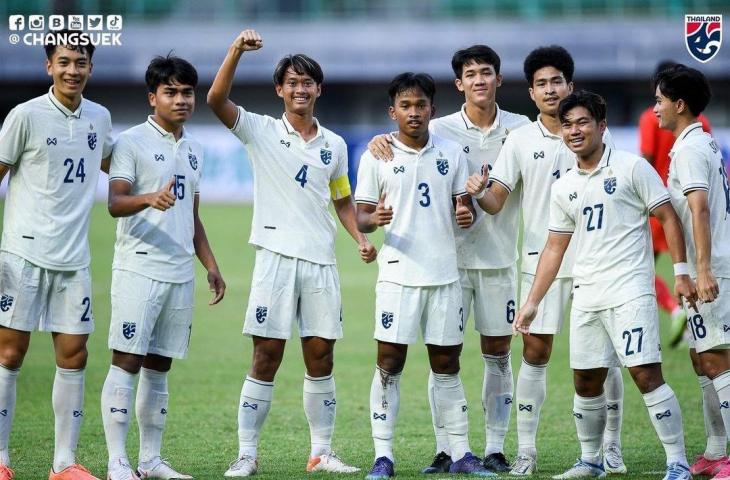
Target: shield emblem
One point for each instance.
(386, 319)
(91, 139)
(6, 302)
(703, 36)
(261, 313)
(129, 329)
(442, 165)
(609, 185)
(325, 156)
(193, 161)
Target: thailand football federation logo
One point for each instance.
(261, 313)
(442, 165)
(325, 156)
(609, 185)
(6, 302)
(193, 160)
(386, 318)
(703, 36)
(129, 329)
(91, 139)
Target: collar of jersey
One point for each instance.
(469, 124)
(162, 131)
(405, 148)
(544, 130)
(605, 162)
(62, 108)
(691, 129)
(291, 131)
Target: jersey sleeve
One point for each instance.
(201, 162)
(693, 171)
(339, 180)
(560, 221)
(648, 185)
(108, 145)
(13, 137)
(123, 164)
(506, 170)
(368, 185)
(458, 188)
(248, 125)
(647, 134)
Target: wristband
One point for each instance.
(481, 194)
(681, 269)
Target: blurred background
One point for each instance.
(361, 45)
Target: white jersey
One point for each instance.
(153, 243)
(292, 186)
(419, 247)
(607, 211)
(537, 158)
(54, 156)
(696, 164)
(491, 243)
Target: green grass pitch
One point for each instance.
(201, 431)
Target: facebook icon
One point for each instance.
(16, 22)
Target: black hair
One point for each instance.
(663, 65)
(169, 69)
(550, 56)
(476, 53)
(594, 103)
(82, 42)
(409, 80)
(686, 83)
(301, 64)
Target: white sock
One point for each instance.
(614, 390)
(253, 408)
(442, 438)
(496, 400)
(531, 390)
(450, 402)
(590, 421)
(722, 387)
(666, 417)
(116, 410)
(68, 405)
(714, 427)
(151, 409)
(320, 407)
(384, 404)
(8, 380)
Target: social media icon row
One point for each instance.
(59, 22)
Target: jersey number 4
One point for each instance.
(80, 173)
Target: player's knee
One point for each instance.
(321, 367)
(647, 379)
(391, 364)
(537, 356)
(265, 365)
(11, 356)
(587, 384)
(710, 367)
(497, 346)
(73, 360)
(445, 364)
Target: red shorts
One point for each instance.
(657, 236)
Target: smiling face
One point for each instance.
(666, 110)
(70, 70)
(581, 132)
(479, 82)
(412, 110)
(299, 92)
(549, 86)
(173, 102)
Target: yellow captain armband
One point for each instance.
(340, 187)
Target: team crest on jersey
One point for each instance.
(193, 160)
(325, 156)
(442, 165)
(386, 318)
(159, 157)
(91, 140)
(609, 185)
(129, 329)
(6, 302)
(261, 313)
(703, 36)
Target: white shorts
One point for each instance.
(552, 310)
(493, 294)
(626, 335)
(149, 316)
(285, 290)
(401, 311)
(35, 298)
(710, 326)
